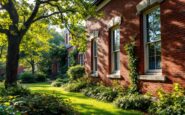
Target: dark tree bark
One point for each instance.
(12, 60)
(33, 67)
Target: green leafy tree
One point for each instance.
(35, 42)
(17, 16)
(3, 46)
(57, 53)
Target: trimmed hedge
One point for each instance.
(133, 101)
(76, 72)
(27, 77)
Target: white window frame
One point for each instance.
(113, 71)
(146, 52)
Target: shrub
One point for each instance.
(56, 84)
(133, 101)
(59, 82)
(8, 110)
(62, 76)
(41, 104)
(19, 101)
(65, 80)
(40, 77)
(35, 104)
(78, 85)
(101, 92)
(76, 72)
(169, 103)
(27, 77)
(2, 78)
(14, 91)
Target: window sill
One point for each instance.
(94, 74)
(114, 75)
(152, 77)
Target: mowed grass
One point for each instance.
(81, 103)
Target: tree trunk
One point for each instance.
(33, 67)
(12, 61)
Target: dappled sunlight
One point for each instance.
(80, 102)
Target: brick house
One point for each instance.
(79, 58)
(158, 27)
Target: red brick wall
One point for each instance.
(173, 40)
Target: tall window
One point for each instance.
(81, 59)
(115, 49)
(95, 56)
(153, 39)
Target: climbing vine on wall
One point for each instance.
(132, 65)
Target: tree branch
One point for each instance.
(45, 16)
(29, 21)
(12, 11)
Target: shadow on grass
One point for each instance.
(91, 110)
(83, 104)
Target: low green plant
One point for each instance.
(27, 77)
(40, 77)
(42, 104)
(101, 93)
(76, 72)
(56, 84)
(59, 82)
(62, 76)
(2, 78)
(78, 85)
(8, 110)
(133, 101)
(19, 101)
(169, 103)
(14, 91)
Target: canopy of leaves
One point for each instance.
(35, 42)
(21, 14)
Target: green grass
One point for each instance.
(81, 103)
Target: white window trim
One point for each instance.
(145, 43)
(151, 75)
(95, 73)
(114, 74)
(112, 52)
(144, 4)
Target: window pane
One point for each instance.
(151, 49)
(116, 39)
(115, 61)
(153, 26)
(95, 48)
(158, 62)
(158, 48)
(153, 39)
(96, 64)
(151, 62)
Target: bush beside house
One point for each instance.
(76, 72)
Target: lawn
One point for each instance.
(83, 104)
